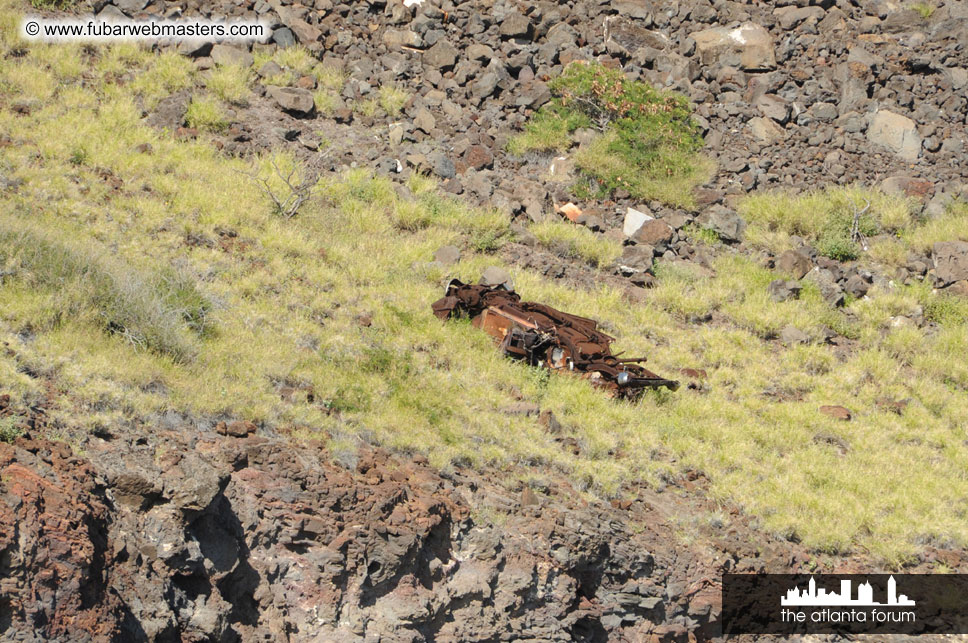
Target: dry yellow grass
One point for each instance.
(285, 298)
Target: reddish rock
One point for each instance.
(653, 233)
(478, 157)
(920, 189)
(54, 539)
(306, 82)
(237, 429)
(836, 412)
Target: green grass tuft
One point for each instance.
(392, 100)
(649, 144)
(230, 83)
(924, 9)
(206, 114)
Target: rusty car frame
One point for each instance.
(543, 336)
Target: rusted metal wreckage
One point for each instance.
(543, 336)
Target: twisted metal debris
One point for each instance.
(544, 336)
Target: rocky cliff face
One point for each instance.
(194, 536)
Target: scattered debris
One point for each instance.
(544, 336)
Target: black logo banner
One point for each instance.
(845, 604)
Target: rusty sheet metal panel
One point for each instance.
(544, 336)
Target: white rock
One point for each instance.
(634, 219)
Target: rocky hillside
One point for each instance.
(227, 414)
(798, 94)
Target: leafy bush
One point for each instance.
(836, 238)
(648, 143)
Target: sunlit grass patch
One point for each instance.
(950, 226)
(230, 83)
(577, 242)
(296, 58)
(825, 217)
(59, 281)
(64, 60)
(168, 73)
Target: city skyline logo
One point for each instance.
(814, 597)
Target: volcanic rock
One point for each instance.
(295, 100)
(951, 261)
(896, 133)
(748, 47)
(726, 223)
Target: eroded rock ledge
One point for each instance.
(195, 536)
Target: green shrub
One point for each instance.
(836, 238)
(648, 143)
(10, 429)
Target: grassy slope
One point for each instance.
(287, 296)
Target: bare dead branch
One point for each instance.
(294, 196)
(855, 234)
